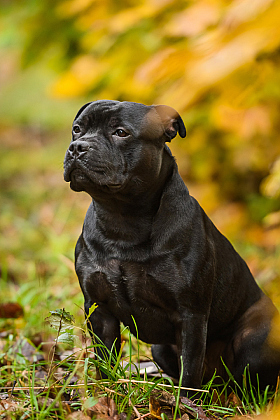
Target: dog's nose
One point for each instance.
(78, 148)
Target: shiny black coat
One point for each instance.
(148, 254)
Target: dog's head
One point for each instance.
(118, 146)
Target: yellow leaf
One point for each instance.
(67, 86)
(84, 72)
(245, 122)
(161, 70)
(73, 7)
(271, 185)
(194, 19)
(130, 17)
(240, 11)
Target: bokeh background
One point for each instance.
(214, 61)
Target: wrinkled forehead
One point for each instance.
(114, 114)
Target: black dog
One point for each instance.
(149, 252)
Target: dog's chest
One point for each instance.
(134, 290)
(130, 283)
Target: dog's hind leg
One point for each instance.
(257, 345)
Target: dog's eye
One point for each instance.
(76, 129)
(121, 133)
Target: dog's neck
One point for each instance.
(129, 219)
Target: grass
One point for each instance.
(68, 384)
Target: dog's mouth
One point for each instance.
(78, 173)
(77, 176)
(114, 187)
(77, 179)
(71, 174)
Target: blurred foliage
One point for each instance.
(215, 61)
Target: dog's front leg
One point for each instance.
(104, 329)
(191, 345)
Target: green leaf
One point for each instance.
(90, 402)
(91, 310)
(60, 320)
(66, 338)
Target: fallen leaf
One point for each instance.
(11, 310)
(165, 402)
(154, 407)
(104, 408)
(78, 415)
(9, 405)
(200, 414)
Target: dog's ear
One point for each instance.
(81, 109)
(171, 120)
